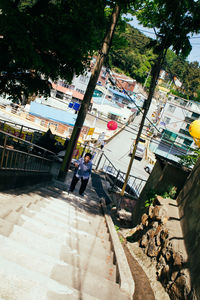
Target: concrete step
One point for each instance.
(72, 202)
(87, 203)
(58, 246)
(19, 283)
(70, 219)
(64, 207)
(45, 220)
(10, 203)
(36, 261)
(95, 220)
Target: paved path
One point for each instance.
(56, 246)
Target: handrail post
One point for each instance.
(99, 161)
(4, 149)
(20, 133)
(115, 181)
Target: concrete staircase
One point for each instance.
(56, 246)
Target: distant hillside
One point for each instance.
(135, 58)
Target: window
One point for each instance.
(171, 108)
(168, 135)
(195, 115)
(187, 142)
(183, 103)
(84, 79)
(59, 95)
(80, 91)
(166, 120)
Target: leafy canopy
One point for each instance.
(43, 39)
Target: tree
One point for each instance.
(44, 40)
(174, 21)
(89, 92)
(190, 160)
(135, 59)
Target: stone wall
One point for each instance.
(159, 235)
(163, 175)
(189, 208)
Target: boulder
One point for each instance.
(144, 220)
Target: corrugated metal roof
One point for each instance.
(52, 113)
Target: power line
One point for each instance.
(167, 140)
(138, 107)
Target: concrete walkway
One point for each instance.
(57, 246)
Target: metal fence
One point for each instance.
(18, 154)
(116, 177)
(22, 155)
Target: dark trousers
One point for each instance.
(83, 184)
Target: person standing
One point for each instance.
(83, 171)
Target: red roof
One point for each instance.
(65, 90)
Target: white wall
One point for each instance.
(80, 82)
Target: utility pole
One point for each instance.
(154, 76)
(88, 94)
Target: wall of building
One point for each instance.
(163, 176)
(189, 210)
(80, 82)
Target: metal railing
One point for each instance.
(20, 155)
(19, 128)
(116, 177)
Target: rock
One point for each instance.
(165, 276)
(152, 250)
(177, 259)
(155, 225)
(144, 220)
(156, 212)
(168, 256)
(162, 261)
(164, 247)
(174, 275)
(150, 212)
(159, 199)
(160, 214)
(164, 234)
(164, 219)
(158, 229)
(139, 227)
(151, 234)
(125, 215)
(157, 238)
(144, 241)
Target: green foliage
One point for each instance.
(117, 228)
(44, 40)
(187, 73)
(179, 94)
(190, 159)
(137, 57)
(152, 194)
(134, 58)
(171, 192)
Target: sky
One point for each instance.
(195, 40)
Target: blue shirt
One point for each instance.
(84, 169)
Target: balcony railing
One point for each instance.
(184, 131)
(19, 155)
